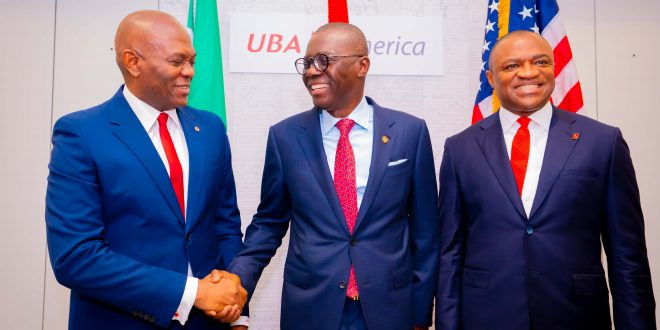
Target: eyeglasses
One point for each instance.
(320, 61)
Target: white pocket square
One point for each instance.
(397, 162)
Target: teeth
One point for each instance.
(525, 88)
(318, 86)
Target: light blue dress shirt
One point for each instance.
(362, 140)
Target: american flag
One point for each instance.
(540, 16)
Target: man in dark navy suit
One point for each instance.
(356, 183)
(527, 195)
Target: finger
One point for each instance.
(233, 315)
(222, 314)
(216, 276)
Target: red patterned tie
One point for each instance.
(346, 188)
(520, 152)
(176, 172)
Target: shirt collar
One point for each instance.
(360, 115)
(147, 115)
(541, 118)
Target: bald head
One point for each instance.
(139, 30)
(337, 86)
(348, 34)
(155, 55)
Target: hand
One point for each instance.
(217, 275)
(239, 327)
(228, 314)
(221, 296)
(420, 328)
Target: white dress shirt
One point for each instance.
(361, 137)
(539, 127)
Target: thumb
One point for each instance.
(216, 275)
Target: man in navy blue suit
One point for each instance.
(356, 184)
(141, 202)
(527, 195)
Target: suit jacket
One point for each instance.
(500, 269)
(116, 235)
(394, 245)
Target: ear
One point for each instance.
(131, 62)
(364, 63)
(490, 77)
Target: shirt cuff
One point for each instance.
(242, 320)
(187, 301)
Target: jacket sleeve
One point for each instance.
(227, 215)
(424, 228)
(625, 244)
(269, 225)
(452, 246)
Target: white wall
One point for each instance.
(26, 59)
(628, 49)
(59, 58)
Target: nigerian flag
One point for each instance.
(207, 90)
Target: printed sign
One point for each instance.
(269, 43)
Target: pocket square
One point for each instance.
(397, 162)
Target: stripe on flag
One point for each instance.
(337, 11)
(207, 90)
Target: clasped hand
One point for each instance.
(221, 296)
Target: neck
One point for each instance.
(344, 112)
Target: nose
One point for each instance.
(528, 70)
(312, 71)
(187, 69)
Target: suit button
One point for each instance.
(188, 237)
(342, 285)
(353, 242)
(529, 230)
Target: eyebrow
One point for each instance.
(518, 59)
(180, 55)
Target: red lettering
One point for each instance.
(261, 43)
(274, 40)
(293, 45)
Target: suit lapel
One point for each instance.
(196, 161)
(311, 142)
(557, 150)
(491, 142)
(128, 129)
(380, 157)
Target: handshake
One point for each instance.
(221, 296)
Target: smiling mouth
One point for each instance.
(183, 88)
(528, 87)
(318, 88)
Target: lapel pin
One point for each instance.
(575, 136)
(385, 139)
(196, 128)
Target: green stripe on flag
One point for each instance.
(207, 90)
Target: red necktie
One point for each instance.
(520, 152)
(346, 188)
(176, 172)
